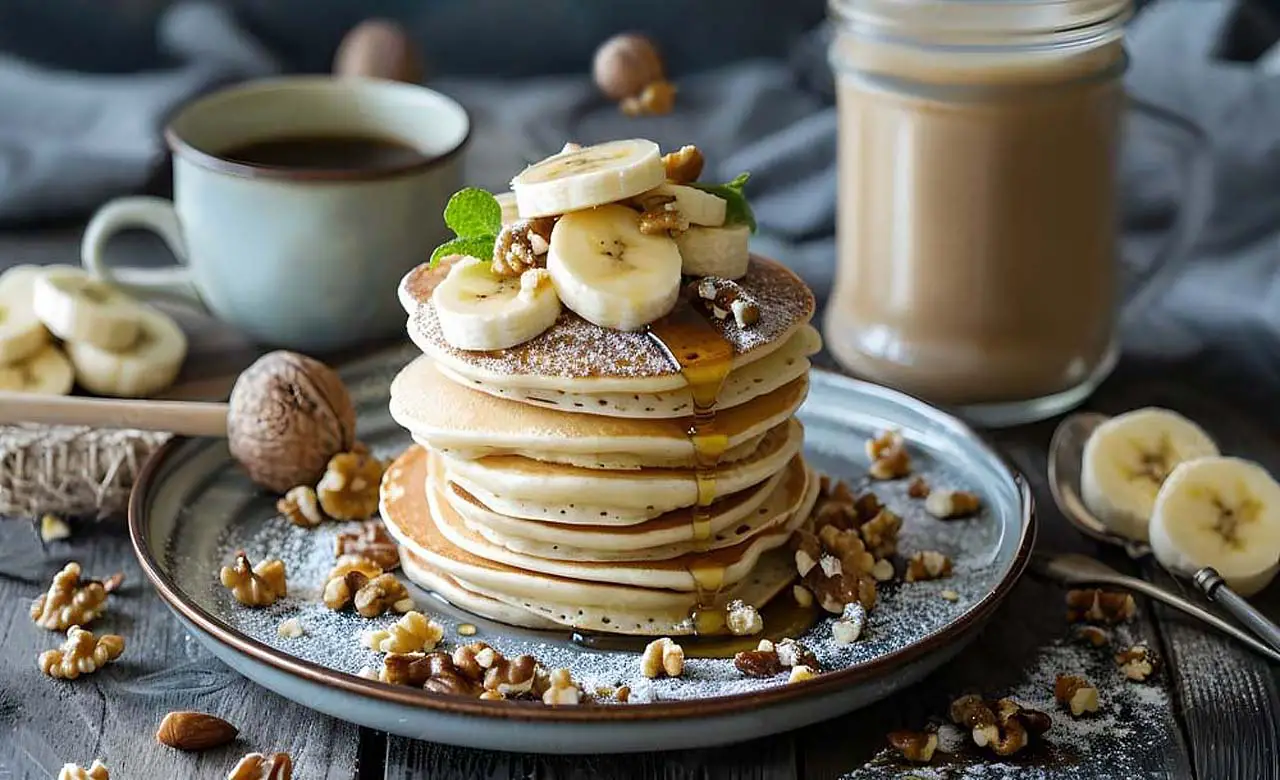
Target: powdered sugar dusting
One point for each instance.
(574, 348)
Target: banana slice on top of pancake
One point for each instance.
(586, 177)
(479, 310)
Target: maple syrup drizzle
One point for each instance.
(704, 357)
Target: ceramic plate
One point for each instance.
(192, 509)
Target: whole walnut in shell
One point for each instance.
(289, 414)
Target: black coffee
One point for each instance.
(327, 152)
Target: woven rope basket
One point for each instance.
(70, 471)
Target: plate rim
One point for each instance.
(827, 683)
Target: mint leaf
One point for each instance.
(475, 246)
(473, 212)
(737, 211)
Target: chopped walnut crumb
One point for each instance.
(792, 653)
(522, 245)
(663, 220)
(800, 673)
(880, 533)
(466, 629)
(511, 676)
(381, 594)
(848, 629)
(1004, 726)
(927, 565)
(82, 653)
(915, 746)
(301, 507)
(1076, 694)
(743, 619)
(412, 633)
(258, 585)
(761, 662)
(97, 771)
(349, 488)
(684, 165)
(349, 574)
(256, 766)
(1137, 663)
(371, 541)
(289, 628)
(656, 98)
(113, 583)
(950, 595)
(1092, 635)
(623, 694)
(69, 601)
(562, 690)
(889, 456)
(918, 488)
(952, 504)
(724, 298)
(662, 656)
(1092, 605)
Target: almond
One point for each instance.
(194, 731)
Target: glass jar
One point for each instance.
(977, 220)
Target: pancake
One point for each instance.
(576, 356)
(672, 528)
(770, 502)
(534, 490)
(448, 588)
(610, 460)
(457, 421)
(787, 363)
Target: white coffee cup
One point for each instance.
(298, 258)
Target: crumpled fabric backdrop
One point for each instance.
(69, 142)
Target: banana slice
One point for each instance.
(148, 366)
(610, 273)
(47, 372)
(1127, 458)
(1219, 512)
(22, 334)
(77, 307)
(587, 177)
(715, 251)
(510, 211)
(479, 311)
(697, 206)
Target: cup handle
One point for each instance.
(158, 216)
(1197, 176)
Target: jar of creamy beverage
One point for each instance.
(978, 214)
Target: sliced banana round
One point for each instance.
(148, 366)
(77, 307)
(507, 202)
(22, 334)
(480, 311)
(587, 177)
(715, 251)
(697, 206)
(1219, 512)
(1127, 459)
(47, 372)
(610, 273)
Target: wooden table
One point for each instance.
(1224, 708)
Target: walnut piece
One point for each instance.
(761, 662)
(952, 504)
(69, 602)
(256, 766)
(663, 220)
(81, 653)
(1092, 605)
(359, 581)
(836, 567)
(915, 746)
(381, 594)
(889, 456)
(194, 731)
(918, 488)
(724, 298)
(684, 165)
(521, 245)
(98, 771)
(927, 565)
(53, 529)
(301, 507)
(349, 488)
(562, 690)
(792, 653)
(412, 633)
(255, 586)
(1076, 694)
(445, 678)
(113, 583)
(511, 676)
(848, 629)
(412, 669)
(1004, 726)
(623, 694)
(1137, 663)
(656, 98)
(662, 656)
(949, 595)
(800, 673)
(370, 541)
(1092, 635)
(880, 533)
(289, 628)
(743, 619)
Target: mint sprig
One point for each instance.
(737, 211)
(475, 217)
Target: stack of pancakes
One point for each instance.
(555, 483)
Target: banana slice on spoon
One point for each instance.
(47, 372)
(150, 364)
(587, 177)
(22, 334)
(79, 308)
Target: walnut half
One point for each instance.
(349, 488)
(82, 653)
(98, 771)
(1076, 694)
(69, 602)
(255, 586)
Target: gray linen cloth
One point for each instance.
(69, 142)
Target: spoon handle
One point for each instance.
(1209, 581)
(1205, 616)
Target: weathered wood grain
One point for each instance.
(114, 713)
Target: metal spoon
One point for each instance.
(1066, 451)
(1074, 569)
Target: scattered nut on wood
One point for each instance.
(256, 766)
(194, 731)
(1092, 605)
(915, 746)
(69, 601)
(1137, 662)
(1076, 694)
(53, 529)
(98, 771)
(82, 653)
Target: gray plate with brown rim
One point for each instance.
(192, 508)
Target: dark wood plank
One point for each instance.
(113, 714)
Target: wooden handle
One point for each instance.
(181, 417)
